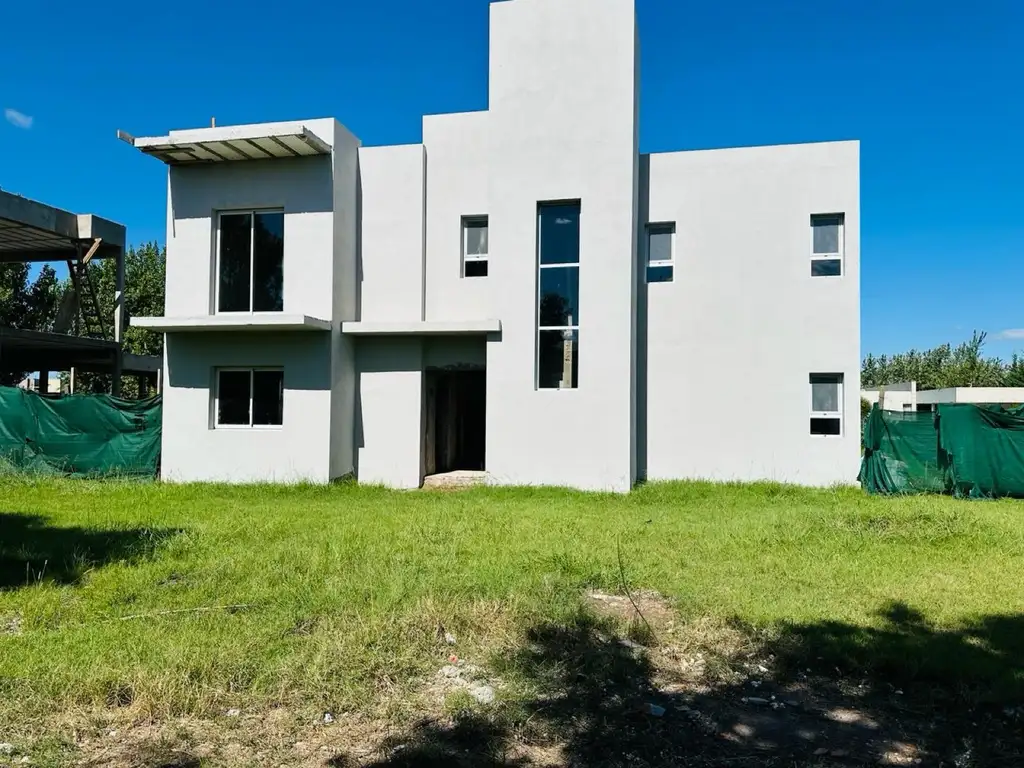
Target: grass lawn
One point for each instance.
(339, 591)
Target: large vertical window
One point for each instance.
(826, 404)
(474, 246)
(660, 239)
(558, 300)
(249, 397)
(250, 261)
(827, 245)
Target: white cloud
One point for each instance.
(1015, 334)
(18, 119)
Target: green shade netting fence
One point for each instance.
(80, 435)
(966, 450)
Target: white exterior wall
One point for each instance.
(298, 450)
(318, 196)
(393, 184)
(704, 377)
(732, 341)
(457, 183)
(562, 126)
(389, 412)
(303, 187)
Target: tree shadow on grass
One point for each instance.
(34, 551)
(816, 695)
(471, 741)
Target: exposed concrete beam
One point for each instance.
(38, 215)
(92, 227)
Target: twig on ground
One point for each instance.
(202, 609)
(625, 587)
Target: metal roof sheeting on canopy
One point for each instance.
(231, 144)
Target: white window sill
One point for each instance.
(248, 428)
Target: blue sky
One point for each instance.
(932, 90)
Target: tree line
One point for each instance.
(964, 365)
(33, 303)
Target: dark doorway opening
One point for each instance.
(454, 426)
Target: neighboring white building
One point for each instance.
(31, 384)
(522, 293)
(901, 396)
(905, 396)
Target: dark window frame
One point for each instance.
(829, 263)
(252, 213)
(568, 332)
(477, 263)
(827, 423)
(656, 266)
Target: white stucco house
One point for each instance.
(523, 293)
(904, 396)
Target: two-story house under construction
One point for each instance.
(523, 293)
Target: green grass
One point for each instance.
(345, 586)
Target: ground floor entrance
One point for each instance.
(455, 413)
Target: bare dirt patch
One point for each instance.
(584, 694)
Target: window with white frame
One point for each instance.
(474, 246)
(250, 261)
(827, 244)
(826, 404)
(558, 295)
(249, 397)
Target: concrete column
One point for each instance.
(44, 383)
(115, 387)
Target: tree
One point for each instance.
(944, 366)
(1014, 376)
(144, 269)
(29, 305)
(24, 304)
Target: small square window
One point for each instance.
(827, 244)
(660, 242)
(474, 246)
(826, 404)
(249, 398)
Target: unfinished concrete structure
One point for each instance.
(34, 232)
(522, 294)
